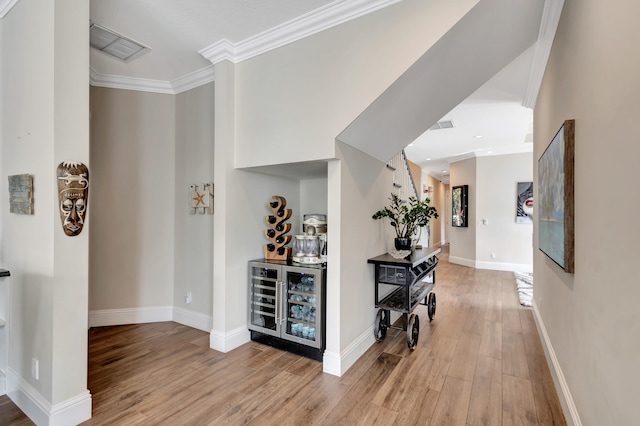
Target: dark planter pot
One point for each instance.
(402, 243)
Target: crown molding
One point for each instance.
(321, 19)
(460, 157)
(493, 152)
(311, 23)
(548, 26)
(6, 6)
(129, 83)
(195, 79)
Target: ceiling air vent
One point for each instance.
(444, 124)
(114, 44)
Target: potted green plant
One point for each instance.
(406, 217)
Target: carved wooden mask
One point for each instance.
(73, 195)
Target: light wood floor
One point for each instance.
(480, 362)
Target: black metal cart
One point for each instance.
(402, 284)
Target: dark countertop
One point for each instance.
(4, 273)
(416, 257)
(289, 262)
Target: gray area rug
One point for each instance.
(524, 283)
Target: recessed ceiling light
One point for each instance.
(478, 136)
(411, 144)
(444, 172)
(427, 159)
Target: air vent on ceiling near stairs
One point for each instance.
(444, 124)
(114, 44)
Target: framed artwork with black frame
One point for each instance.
(555, 211)
(459, 206)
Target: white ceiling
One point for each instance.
(187, 36)
(492, 121)
(176, 30)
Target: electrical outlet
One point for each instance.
(187, 298)
(35, 368)
(493, 255)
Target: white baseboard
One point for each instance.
(331, 363)
(566, 399)
(462, 261)
(502, 266)
(495, 266)
(338, 364)
(189, 318)
(225, 342)
(106, 317)
(192, 319)
(73, 411)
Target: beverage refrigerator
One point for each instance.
(286, 306)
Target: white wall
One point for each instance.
(492, 197)
(133, 199)
(365, 186)
(313, 198)
(305, 93)
(512, 243)
(590, 319)
(193, 240)
(462, 249)
(239, 219)
(45, 121)
(438, 200)
(147, 251)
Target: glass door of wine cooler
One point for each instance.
(302, 314)
(264, 298)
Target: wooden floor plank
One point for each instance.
(518, 404)
(514, 356)
(377, 415)
(510, 311)
(434, 363)
(312, 404)
(491, 340)
(548, 408)
(399, 385)
(463, 365)
(453, 403)
(418, 407)
(485, 407)
(474, 322)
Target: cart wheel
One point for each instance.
(413, 330)
(380, 326)
(431, 306)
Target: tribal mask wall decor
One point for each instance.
(73, 195)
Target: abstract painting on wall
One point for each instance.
(459, 206)
(555, 211)
(524, 203)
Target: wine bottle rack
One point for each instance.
(276, 234)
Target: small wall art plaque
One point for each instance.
(21, 194)
(201, 198)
